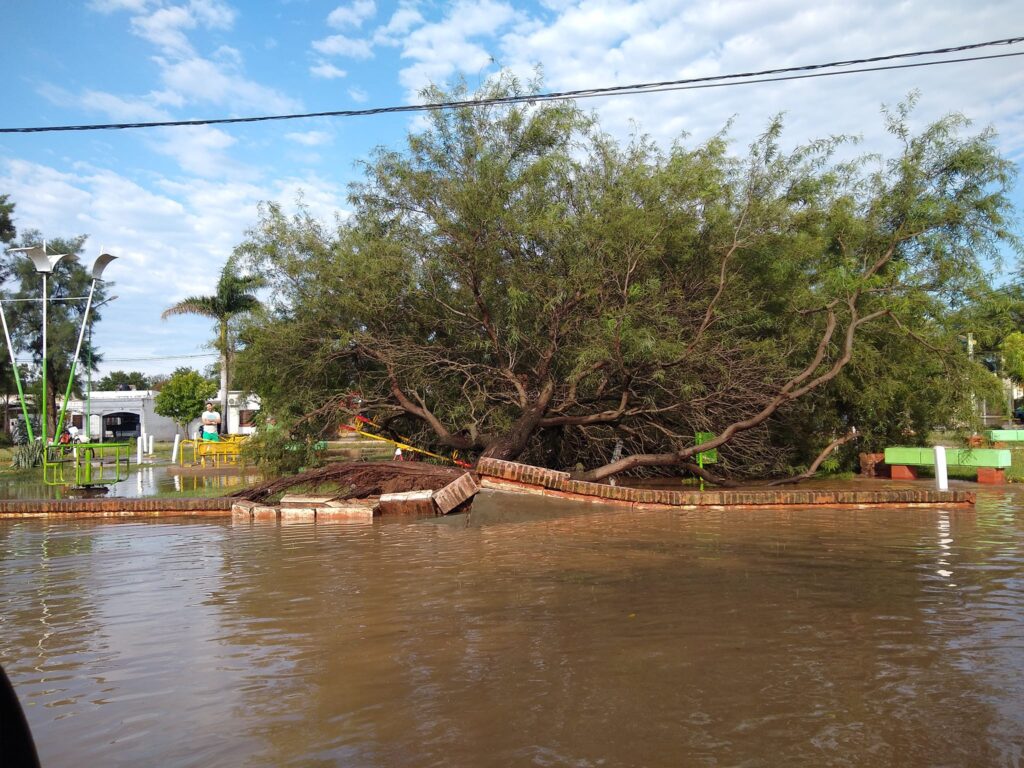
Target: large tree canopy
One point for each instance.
(517, 284)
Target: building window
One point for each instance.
(245, 418)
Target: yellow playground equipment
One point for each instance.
(226, 452)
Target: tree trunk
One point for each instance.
(224, 379)
(511, 445)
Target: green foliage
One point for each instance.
(7, 229)
(1012, 351)
(115, 379)
(279, 451)
(234, 297)
(184, 397)
(515, 283)
(28, 455)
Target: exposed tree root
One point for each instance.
(360, 479)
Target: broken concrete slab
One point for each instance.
(408, 503)
(242, 508)
(298, 513)
(338, 511)
(301, 501)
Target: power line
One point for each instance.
(143, 359)
(162, 357)
(713, 81)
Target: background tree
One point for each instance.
(7, 229)
(517, 284)
(234, 296)
(158, 380)
(130, 379)
(184, 397)
(7, 235)
(69, 279)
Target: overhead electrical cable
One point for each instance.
(711, 81)
(161, 357)
(141, 359)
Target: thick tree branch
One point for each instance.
(825, 453)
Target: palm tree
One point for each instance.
(233, 297)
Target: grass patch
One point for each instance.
(197, 493)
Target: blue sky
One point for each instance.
(173, 202)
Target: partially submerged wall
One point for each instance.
(510, 476)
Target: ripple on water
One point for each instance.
(532, 632)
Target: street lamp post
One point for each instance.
(44, 265)
(88, 395)
(101, 263)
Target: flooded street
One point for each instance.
(532, 632)
(143, 482)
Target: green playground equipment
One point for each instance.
(85, 465)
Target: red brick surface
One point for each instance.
(990, 476)
(114, 507)
(900, 472)
(456, 492)
(508, 475)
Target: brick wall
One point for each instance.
(507, 475)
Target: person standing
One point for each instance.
(211, 423)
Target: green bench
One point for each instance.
(991, 463)
(1006, 435)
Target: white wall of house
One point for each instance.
(135, 412)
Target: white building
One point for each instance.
(124, 414)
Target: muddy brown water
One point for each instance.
(531, 632)
(143, 482)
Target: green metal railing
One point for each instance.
(86, 465)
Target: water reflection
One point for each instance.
(148, 480)
(526, 634)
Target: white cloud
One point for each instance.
(110, 6)
(202, 80)
(310, 138)
(352, 15)
(165, 27)
(358, 94)
(213, 14)
(118, 108)
(327, 71)
(401, 21)
(593, 43)
(340, 45)
(201, 150)
(443, 48)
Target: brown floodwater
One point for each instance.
(528, 633)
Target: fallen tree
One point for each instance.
(358, 480)
(517, 285)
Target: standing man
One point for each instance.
(211, 423)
